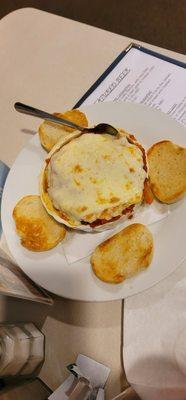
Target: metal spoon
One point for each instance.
(100, 128)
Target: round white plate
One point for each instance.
(76, 281)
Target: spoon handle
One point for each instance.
(25, 109)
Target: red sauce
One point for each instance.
(128, 209)
(147, 192)
(98, 222)
(144, 156)
(133, 140)
(103, 221)
(132, 137)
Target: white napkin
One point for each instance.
(96, 373)
(155, 339)
(78, 244)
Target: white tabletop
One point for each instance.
(49, 62)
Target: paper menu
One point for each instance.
(143, 78)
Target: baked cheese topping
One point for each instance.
(96, 176)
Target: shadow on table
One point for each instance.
(75, 313)
(19, 310)
(86, 314)
(28, 131)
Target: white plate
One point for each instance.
(76, 281)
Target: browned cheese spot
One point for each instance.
(93, 180)
(77, 168)
(106, 157)
(114, 199)
(77, 182)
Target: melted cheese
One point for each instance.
(96, 175)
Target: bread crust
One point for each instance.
(50, 133)
(167, 171)
(123, 255)
(37, 229)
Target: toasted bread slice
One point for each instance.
(124, 254)
(38, 231)
(167, 171)
(50, 133)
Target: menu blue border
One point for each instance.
(118, 59)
